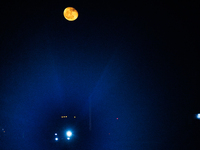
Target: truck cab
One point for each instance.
(66, 129)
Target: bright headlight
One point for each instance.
(69, 133)
(198, 116)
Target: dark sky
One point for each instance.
(135, 61)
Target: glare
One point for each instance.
(56, 134)
(68, 138)
(56, 139)
(198, 116)
(69, 133)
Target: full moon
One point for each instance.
(70, 13)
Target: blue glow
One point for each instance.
(56, 134)
(68, 138)
(56, 139)
(198, 116)
(69, 133)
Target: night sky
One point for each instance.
(135, 61)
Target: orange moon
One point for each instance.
(70, 13)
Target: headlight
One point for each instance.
(69, 133)
(198, 116)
